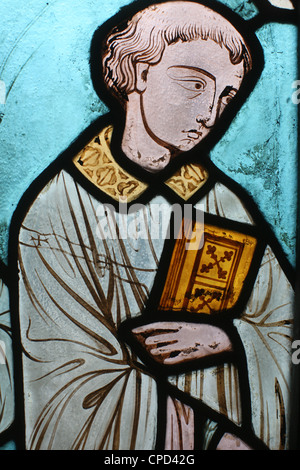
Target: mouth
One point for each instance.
(193, 134)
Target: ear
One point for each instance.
(141, 70)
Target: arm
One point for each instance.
(265, 331)
(81, 390)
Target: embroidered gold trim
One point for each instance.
(97, 164)
(187, 180)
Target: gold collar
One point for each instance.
(97, 164)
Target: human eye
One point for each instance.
(188, 78)
(191, 84)
(227, 96)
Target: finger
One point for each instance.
(156, 327)
(173, 360)
(183, 356)
(165, 349)
(160, 339)
(176, 359)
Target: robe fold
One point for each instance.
(80, 279)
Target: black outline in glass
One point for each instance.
(116, 117)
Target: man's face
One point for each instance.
(187, 91)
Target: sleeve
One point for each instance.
(82, 388)
(265, 329)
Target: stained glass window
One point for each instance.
(148, 225)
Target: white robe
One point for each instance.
(83, 389)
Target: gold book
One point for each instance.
(207, 275)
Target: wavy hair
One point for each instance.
(150, 31)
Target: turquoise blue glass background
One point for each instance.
(44, 63)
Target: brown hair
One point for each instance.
(151, 30)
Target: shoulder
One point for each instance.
(50, 204)
(224, 202)
(228, 200)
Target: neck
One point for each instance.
(137, 144)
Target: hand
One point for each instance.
(178, 342)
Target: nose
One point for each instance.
(208, 119)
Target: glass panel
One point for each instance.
(148, 201)
(6, 362)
